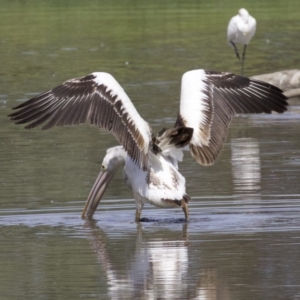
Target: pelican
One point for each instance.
(208, 102)
(241, 29)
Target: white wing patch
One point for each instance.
(195, 106)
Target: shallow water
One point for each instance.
(242, 241)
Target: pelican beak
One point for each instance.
(97, 192)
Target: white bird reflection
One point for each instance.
(246, 166)
(169, 263)
(154, 269)
(211, 287)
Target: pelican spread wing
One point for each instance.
(208, 102)
(96, 99)
(210, 99)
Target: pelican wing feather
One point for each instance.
(96, 99)
(210, 99)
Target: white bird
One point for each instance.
(241, 29)
(208, 102)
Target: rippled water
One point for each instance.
(242, 241)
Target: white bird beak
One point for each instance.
(97, 192)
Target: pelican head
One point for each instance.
(113, 159)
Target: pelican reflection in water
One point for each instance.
(208, 102)
(154, 267)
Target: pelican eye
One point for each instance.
(102, 167)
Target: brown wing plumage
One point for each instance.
(96, 99)
(209, 100)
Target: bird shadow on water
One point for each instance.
(162, 221)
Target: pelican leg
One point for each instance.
(138, 213)
(139, 207)
(235, 50)
(243, 59)
(185, 209)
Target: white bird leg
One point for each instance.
(243, 59)
(139, 207)
(138, 213)
(235, 50)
